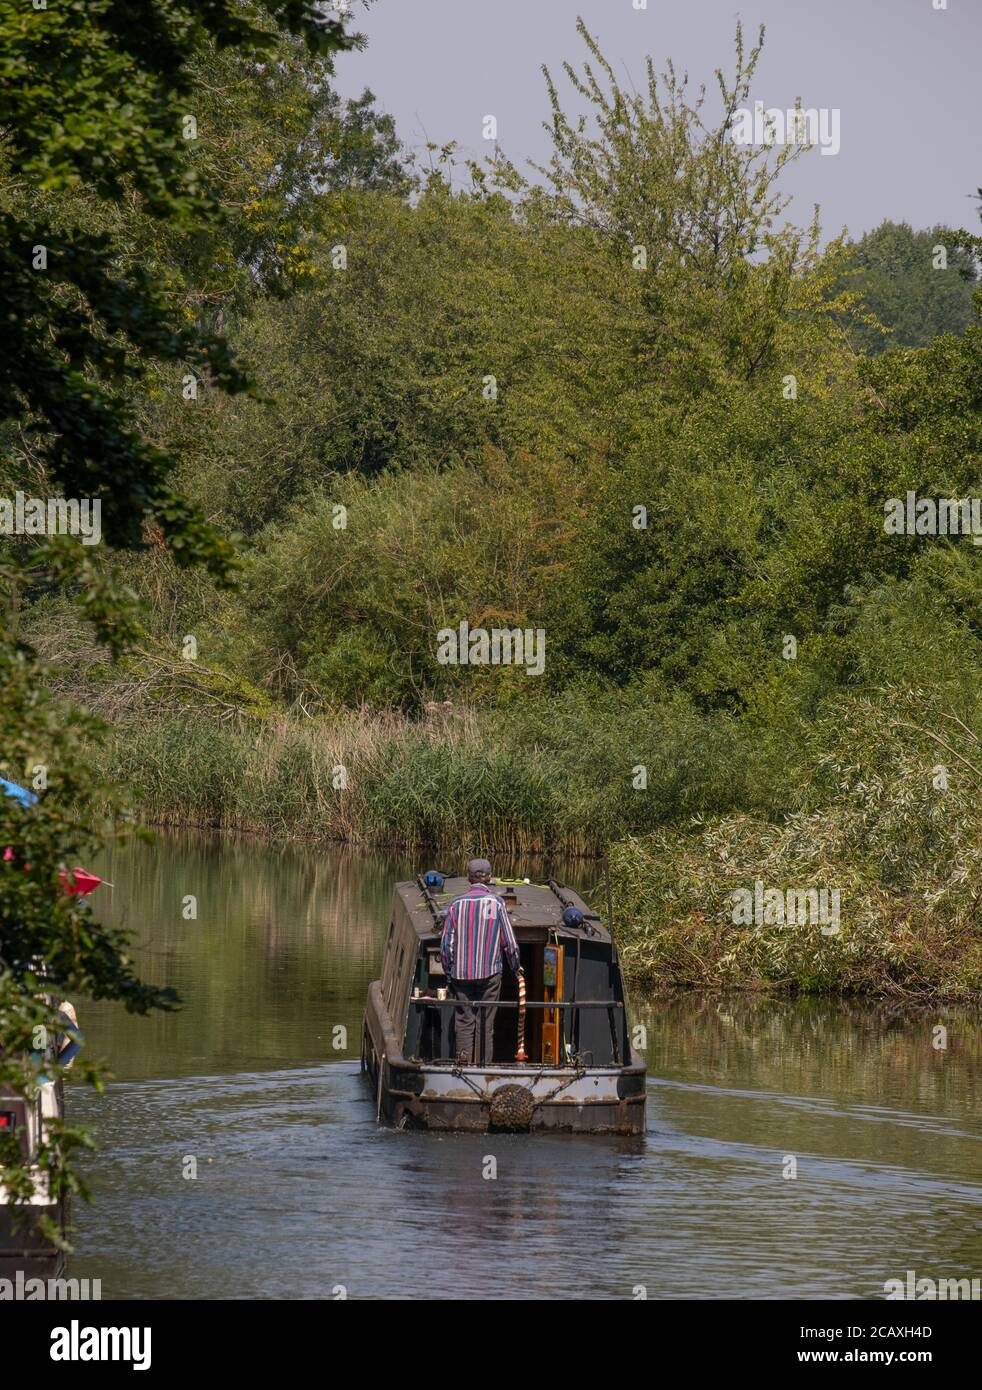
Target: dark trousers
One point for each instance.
(474, 1028)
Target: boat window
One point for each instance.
(395, 977)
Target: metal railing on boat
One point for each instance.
(427, 1001)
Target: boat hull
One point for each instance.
(25, 1246)
(588, 1103)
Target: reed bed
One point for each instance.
(362, 777)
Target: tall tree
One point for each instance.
(97, 124)
(914, 284)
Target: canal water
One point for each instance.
(794, 1149)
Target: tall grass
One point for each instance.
(369, 778)
(559, 776)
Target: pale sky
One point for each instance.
(904, 76)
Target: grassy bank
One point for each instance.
(557, 775)
(899, 845)
(870, 819)
(373, 779)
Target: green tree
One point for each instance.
(915, 284)
(93, 106)
(679, 223)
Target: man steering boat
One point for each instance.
(477, 933)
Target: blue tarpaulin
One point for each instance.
(20, 794)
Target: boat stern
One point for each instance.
(588, 1100)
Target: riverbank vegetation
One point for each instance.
(622, 400)
(101, 209)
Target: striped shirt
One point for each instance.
(475, 929)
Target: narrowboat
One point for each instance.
(26, 1243)
(577, 1069)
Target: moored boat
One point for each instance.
(578, 1070)
(34, 1223)
(28, 1244)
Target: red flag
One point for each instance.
(79, 881)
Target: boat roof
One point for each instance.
(537, 905)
